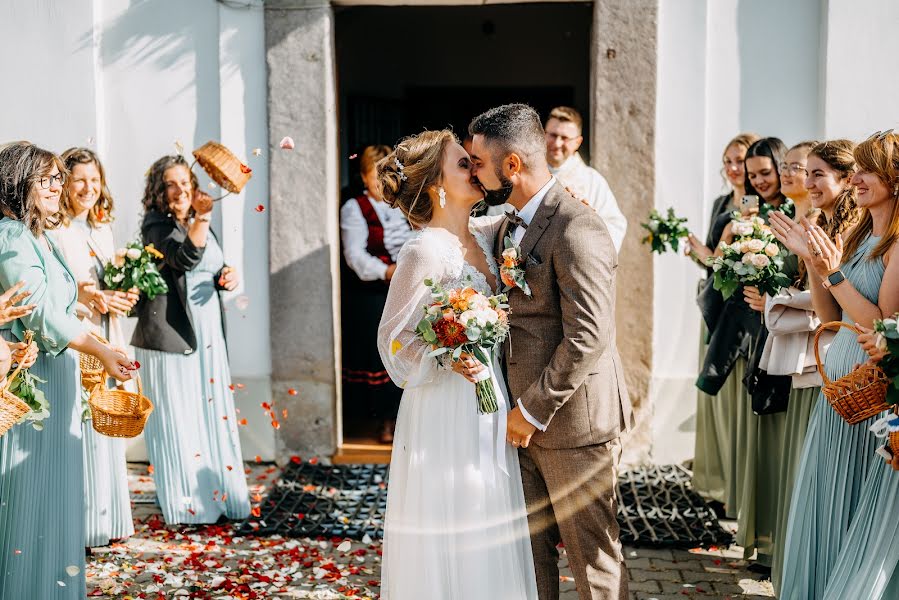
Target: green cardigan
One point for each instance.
(53, 288)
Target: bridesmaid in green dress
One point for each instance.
(866, 566)
(856, 281)
(711, 457)
(41, 483)
(829, 169)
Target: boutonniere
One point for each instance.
(512, 267)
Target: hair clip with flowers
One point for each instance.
(399, 167)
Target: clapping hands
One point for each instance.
(809, 242)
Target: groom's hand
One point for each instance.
(518, 430)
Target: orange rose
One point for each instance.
(507, 279)
(509, 262)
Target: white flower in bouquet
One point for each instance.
(889, 324)
(880, 342)
(772, 250)
(118, 277)
(434, 310)
(510, 253)
(754, 245)
(133, 253)
(760, 261)
(478, 302)
(742, 228)
(119, 260)
(747, 258)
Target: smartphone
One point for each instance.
(749, 204)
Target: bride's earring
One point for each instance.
(442, 193)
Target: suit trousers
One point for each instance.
(570, 496)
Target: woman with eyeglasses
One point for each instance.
(791, 321)
(711, 462)
(85, 239)
(842, 539)
(192, 436)
(41, 477)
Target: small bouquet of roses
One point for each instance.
(134, 266)
(754, 258)
(461, 321)
(888, 341)
(24, 385)
(665, 233)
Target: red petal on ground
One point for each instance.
(256, 511)
(258, 458)
(296, 459)
(150, 469)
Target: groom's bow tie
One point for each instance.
(516, 219)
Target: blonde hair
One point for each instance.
(879, 154)
(407, 173)
(101, 211)
(566, 114)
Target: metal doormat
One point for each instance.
(657, 506)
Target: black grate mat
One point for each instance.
(657, 506)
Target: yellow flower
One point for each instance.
(153, 251)
(395, 347)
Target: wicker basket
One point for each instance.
(223, 167)
(119, 413)
(92, 373)
(11, 407)
(858, 395)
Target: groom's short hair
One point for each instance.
(512, 128)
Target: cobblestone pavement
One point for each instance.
(209, 562)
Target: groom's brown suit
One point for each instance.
(563, 365)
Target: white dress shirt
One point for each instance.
(527, 215)
(354, 234)
(586, 183)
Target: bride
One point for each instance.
(456, 525)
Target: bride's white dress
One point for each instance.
(456, 525)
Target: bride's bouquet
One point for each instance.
(465, 321)
(755, 258)
(134, 266)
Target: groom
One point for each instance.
(569, 399)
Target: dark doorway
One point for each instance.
(404, 69)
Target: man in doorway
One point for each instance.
(564, 135)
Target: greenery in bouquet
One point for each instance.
(134, 266)
(787, 207)
(754, 258)
(888, 341)
(665, 233)
(462, 320)
(25, 386)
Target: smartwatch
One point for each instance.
(833, 279)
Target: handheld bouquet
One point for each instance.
(134, 266)
(461, 321)
(754, 258)
(664, 232)
(888, 341)
(24, 385)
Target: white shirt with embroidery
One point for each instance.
(354, 236)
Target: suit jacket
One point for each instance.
(561, 358)
(166, 323)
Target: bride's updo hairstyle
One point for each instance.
(414, 166)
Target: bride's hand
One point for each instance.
(467, 366)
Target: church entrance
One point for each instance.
(404, 69)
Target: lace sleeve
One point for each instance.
(404, 356)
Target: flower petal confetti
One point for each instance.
(287, 143)
(257, 151)
(260, 208)
(179, 147)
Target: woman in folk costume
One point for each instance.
(41, 472)
(372, 235)
(85, 239)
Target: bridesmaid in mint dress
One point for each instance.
(866, 566)
(838, 458)
(41, 481)
(192, 436)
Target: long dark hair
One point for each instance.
(769, 147)
(22, 164)
(155, 198)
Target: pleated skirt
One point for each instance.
(866, 568)
(42, 493)
(107, 504)
(761, 493)
(192, 435)
(710, 455)
(832, 473)
(799, 411)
